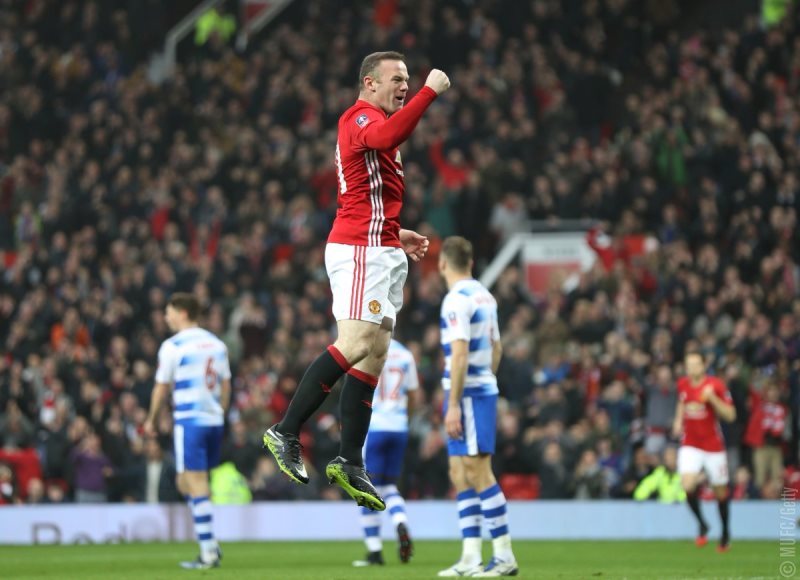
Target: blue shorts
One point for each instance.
(197, 448)
(478, 424)
(383, 455)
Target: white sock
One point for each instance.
(395, 504)
(371, 524)
(469, 520)
(471, 551)
(494, 509)
(203, 528)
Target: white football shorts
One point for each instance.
(714, 463)
(366, 281)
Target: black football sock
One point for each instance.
(313, 389)
(356, 410)
(724, 515)
(694, 503)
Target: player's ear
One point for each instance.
(368, 83)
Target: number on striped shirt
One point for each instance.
(211, 375)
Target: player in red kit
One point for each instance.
(366, 260)
(702, 400)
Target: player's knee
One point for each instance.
(484, 479)
(472, 474)
(457, 476)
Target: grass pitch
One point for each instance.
(332, 561)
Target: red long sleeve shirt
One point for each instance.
(370, 171)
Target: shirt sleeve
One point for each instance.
(225, 367)
(456, 315)
(722, 392)
(166, 363)
(372, 130)
(412, 376)
(681, 391)
(495, 327)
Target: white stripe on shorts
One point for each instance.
(178, 435)
(470, 430)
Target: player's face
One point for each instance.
(172, 317)
(695, 367)
(442, 265)
(391, 85)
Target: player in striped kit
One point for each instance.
(193, 364)
(398, 388)
(471, 344)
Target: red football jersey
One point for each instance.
(700, 425)
(370, 171)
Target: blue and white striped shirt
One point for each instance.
(469, 312)
(196, 362)
(390, 404)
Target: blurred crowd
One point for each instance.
(115, 192)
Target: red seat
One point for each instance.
(520, 485)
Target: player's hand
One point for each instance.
(414, 244)
(677, 430)
(452, 422)
(706, 394)
(149, 428)
(438, 81)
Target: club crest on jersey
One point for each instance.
(374, 306)
(452, 318)
(362, 120)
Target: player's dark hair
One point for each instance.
(371, 62)
(186, 302)
(458, 253)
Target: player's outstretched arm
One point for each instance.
(388, 134)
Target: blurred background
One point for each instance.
(662, 137)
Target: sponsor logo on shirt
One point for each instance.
(695, 410)
(362, 120)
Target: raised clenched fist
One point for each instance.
(438, 81)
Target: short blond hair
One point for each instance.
(458, 253)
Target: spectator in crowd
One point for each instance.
(765, 432)
(8, 490)
(743, 486)
(16, 430)
(640, 467)
(155, 475)
(90, 468)
(588, 481)
(661, 398)
(664, 483)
